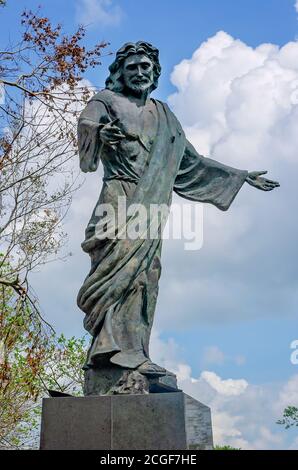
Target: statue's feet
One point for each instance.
(149, 368)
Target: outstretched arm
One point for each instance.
(205, 180)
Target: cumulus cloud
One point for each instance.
(225, 429)
(288, 395)
(239, 105)
(243, 415)
(296, 5)
(227, 387)
(99, 12)
(237, 102)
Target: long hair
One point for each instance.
(114, 81)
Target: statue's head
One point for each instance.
(136, 68)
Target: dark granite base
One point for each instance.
(157, 421)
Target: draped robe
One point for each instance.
(154, 159)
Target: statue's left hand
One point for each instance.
(254, 179)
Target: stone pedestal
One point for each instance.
(156, 421)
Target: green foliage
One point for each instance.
(290, 417)
(62, 365)
(225, 448)
(23, 341)
(59, 368)
(32, 360)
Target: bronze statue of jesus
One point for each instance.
(146, 157)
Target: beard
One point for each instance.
(139, 87)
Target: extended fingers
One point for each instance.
(272, 183)
(111, 135)
(269, 185)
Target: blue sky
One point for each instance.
(241, 324)
(177, 30)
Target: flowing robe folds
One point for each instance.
(119, 294)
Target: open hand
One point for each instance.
(110, 134)
(254, 179)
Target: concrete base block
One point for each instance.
(156, 421)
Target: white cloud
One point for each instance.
(228, 387)
(99, 12)
(164, 352)
(288, 395)
(296, 5)
(225, 427)
(239, 105)
(243, 415)
(230, 94)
